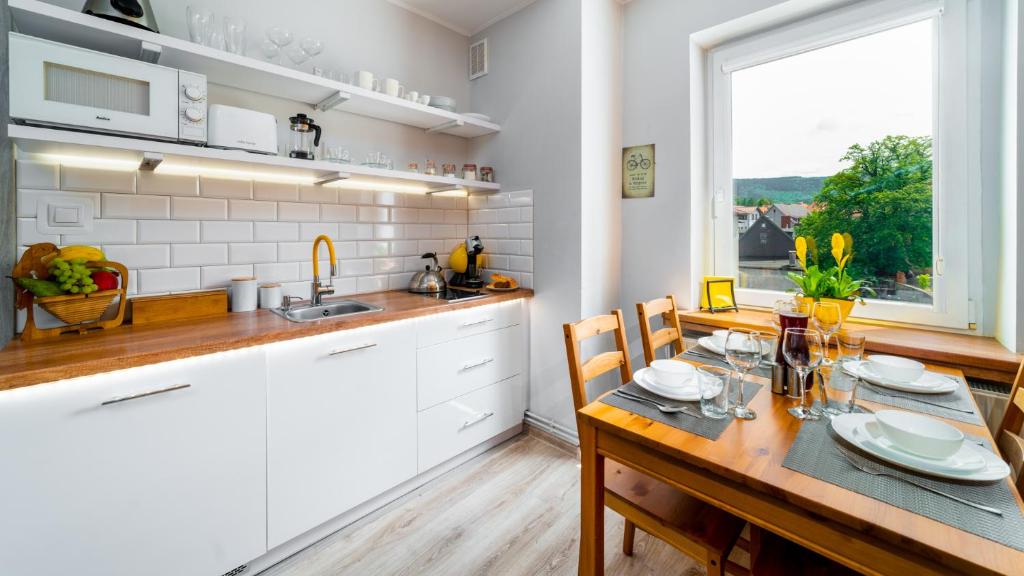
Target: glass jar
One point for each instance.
(469, 171)
(431, 168)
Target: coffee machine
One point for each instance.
(471, 277)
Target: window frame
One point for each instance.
(952, 170)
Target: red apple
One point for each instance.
(104, 280)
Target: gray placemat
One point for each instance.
(710, 428)
(698, 353)
(956, 405)
(814, 453)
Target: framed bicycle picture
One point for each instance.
(638, 171)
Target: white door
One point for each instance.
(341, 423)
(100, 477)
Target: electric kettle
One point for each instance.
(303, 137)
(430, 279)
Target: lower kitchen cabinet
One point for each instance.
(158, 470)
(342, 423)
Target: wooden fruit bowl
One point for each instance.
(82, 312)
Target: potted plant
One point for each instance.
(833, 284)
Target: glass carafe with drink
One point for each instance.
(788, 314)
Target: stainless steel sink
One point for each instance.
(335, 309)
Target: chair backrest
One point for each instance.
(581, 372)
(671, 333)
(1008, 437)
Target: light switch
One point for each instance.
(65, 215)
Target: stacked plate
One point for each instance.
(920, 443)
(670, 378)
(901, 374)
(716, 343)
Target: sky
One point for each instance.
(797, 116)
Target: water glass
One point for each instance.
(200, 24)
(234, 35)
(714, 391)
(851, 348)
(743, 352)
(803, 351)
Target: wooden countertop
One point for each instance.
(978, 356)
(24, 364)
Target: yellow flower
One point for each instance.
(801, 251)
(837, 248)
(848, 243)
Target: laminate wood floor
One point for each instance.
(513, 511)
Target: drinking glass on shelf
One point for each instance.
(311, 46)
(296, 55)
(217, 40)
(279, 36)
(270, 50)
(713, 382)
(743, 352)
(802, 349)
(200, 24)
(851, 348)
(234, 35)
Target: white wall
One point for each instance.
(533, 91)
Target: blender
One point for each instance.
(303, 137)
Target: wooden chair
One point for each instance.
(1008, 437)
(772, 555)
(671, 333)
(695, 528)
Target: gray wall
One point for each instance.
(533, 91)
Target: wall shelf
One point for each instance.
(58, 24)
(182, 157)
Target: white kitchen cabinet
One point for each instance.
(99, 478)
(454, 368)
(342, 423)
(456, 324)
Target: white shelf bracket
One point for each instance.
(448, 188)
(446, 125)
(150, 52)
(333, 100)
(331, 177)
(150, 160)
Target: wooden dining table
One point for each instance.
(742, 472)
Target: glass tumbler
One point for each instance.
(851, 349)
(714, 391)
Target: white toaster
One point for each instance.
(240, 129)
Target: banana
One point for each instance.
(88, 253)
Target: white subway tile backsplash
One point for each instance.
(199, 254)
(356, 267)
(497, 262)
(431, 246)
(455, 217)
(299, 289)
(225, 188)
(306, 271)
(26, 200)
(227, 231)
(507, 215)
(342, 249)
(404, 248)
(371, 284)
(417, 231)
(404, 215)
(521, 198)
(498, 201)
(29, 234)
(369, 249)
(505, 247)
(526, 280)
(139, 207)
(278, 272)
(168, 232)
(251, 210)
(220, 276)
(388, 199)
(199, 208)
(414, 263)
(275, 191)
(139, 256)
(526, 215)
(417, 201)
(105, 232)
(276, 231)
(297, 212)
(318, 194)
(477, 230)
(360, 197)
(310, 230)
(520, 263)
(373, 214)
(524, 231)
(338, 213)
(77, 179)
(399, 281)
(477, 202)
(526, 247)
(387, 231)
(167, 184)
(349, 231)
(168, 280)
(444, 202)
(37, 175)
(252, 253)
(431, 216)
(387, 265)
(442, 231)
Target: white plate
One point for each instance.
(689, 392)
(478, 116)
(709, 343)
(928, 383)
(861, 431)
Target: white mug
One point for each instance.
(271, 296)
(365, 80)
(243, 294)
(394, 88)
(425, 99)
(412, 96)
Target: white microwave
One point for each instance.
(53, 84)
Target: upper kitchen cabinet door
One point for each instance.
(157, 470)
(342, 423)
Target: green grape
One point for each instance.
(65, 286)
(75, 289)
(89, 289)
(57, 262)
(88, 281)
(79, 261)
(63, 265)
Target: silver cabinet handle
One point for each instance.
(120, 399)
(477, 419)
(476, 364)
(477, 323)
(337, 351)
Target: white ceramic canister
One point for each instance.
(243, 294)
(271, 296)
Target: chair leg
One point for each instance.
(715, 566)
(628, 535)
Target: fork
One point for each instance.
(912, 399)
(865, 465)
(661, 407)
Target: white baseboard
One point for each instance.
(303, 541)
(551, 427)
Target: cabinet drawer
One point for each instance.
(449, 429)
(455, 368)
(460, 323)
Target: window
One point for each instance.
(850, 122)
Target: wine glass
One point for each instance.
(827, 318)
(802, 349)
(743, 352)
(311, 46)
(297, 55)
(281, 37)
(270, 50)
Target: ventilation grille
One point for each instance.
(478, 59)
(70, 85)
(237, 571)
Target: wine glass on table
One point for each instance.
(743, 352)
(803, 351)
(828, 319)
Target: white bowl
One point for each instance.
(920, 434)
(896, 368)
(671, 373)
